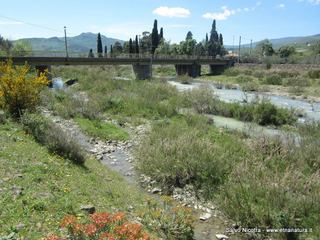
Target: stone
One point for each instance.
(205, 216)
(155, 190)
(17, 191)
(20, 226)
(70, 82)
(221, 237)
(88, 208)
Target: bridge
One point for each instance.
(142, 64)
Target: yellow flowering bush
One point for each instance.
(19, 90)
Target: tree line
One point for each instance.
(155, 43)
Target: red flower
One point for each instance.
(68, 221)
(90, 230)
(100, 219)
(118, 217)
(107, 236)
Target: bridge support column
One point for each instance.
(45, 69)
(219, 69)
(142, 71)
(193, 70)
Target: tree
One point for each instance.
(154, 37)
(5, 45)
(111, 50)
(145, 43)
(214, 45)
(265, 48)
(316, 47)
(131, 50)
(22, 48)
(286, 51)
(136, 45)
(189, 36)
(117, 48)
(199, 50)
(207, 39)
(160, 35)
(105, 51)
(163, 48)
(99, 45)
(91, 54)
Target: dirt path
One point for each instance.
(118, 157)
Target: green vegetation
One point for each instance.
(53, 137)
(102, 130)
(39, 189)
(258, 182)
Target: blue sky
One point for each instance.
(252, 19)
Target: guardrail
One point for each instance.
(113, 56)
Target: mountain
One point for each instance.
(278, 42)
(81, 43)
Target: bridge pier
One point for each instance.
(193, 70)
(219, 69)
(142, 71)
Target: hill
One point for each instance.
(278, 42)
(81, 43)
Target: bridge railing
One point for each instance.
(117, 56)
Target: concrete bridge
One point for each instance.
(142, 65)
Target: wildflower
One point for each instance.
(107, 236)
(68, 221)
(118, 217)
(90, 230)
(100, 219)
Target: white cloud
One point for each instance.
(178, 12)
(226, 12)
(281, 6)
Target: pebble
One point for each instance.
(155, 190)
(221, 237)
(205, 216)
(88, 208)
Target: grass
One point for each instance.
(53, 187)
(259, 182)
(280, 78)
(102, 130)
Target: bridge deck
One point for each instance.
(116, 61)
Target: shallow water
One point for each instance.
(311, 111)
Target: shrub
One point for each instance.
(53, 137)
(273, 79)
(184, 79)
(19, 91)
(244, 79)
(202, 99)
(232, 72)
(265, 113)
(296, 81)
(314, 74)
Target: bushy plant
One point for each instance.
(244, 78)
(53, 137)
(314, 74)
(19, 90)
(273, 79)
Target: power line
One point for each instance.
(31, 24)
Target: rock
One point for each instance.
(155, 190)
(20, 226)
(88, 208)
(205, 216)
(221, 237)
(70, 82)
(17, 191)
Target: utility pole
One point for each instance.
(239, 49)
(250, 47)
(233, 46)
(65, 40)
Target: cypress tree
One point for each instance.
(111, 50)
(154, 37)
(131, 46)
(99, 45)
(221, 39)
(161, 34)
(90, 55)
(105, 50)
(207, 39)
(137, 45)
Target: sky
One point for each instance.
(122, 19)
